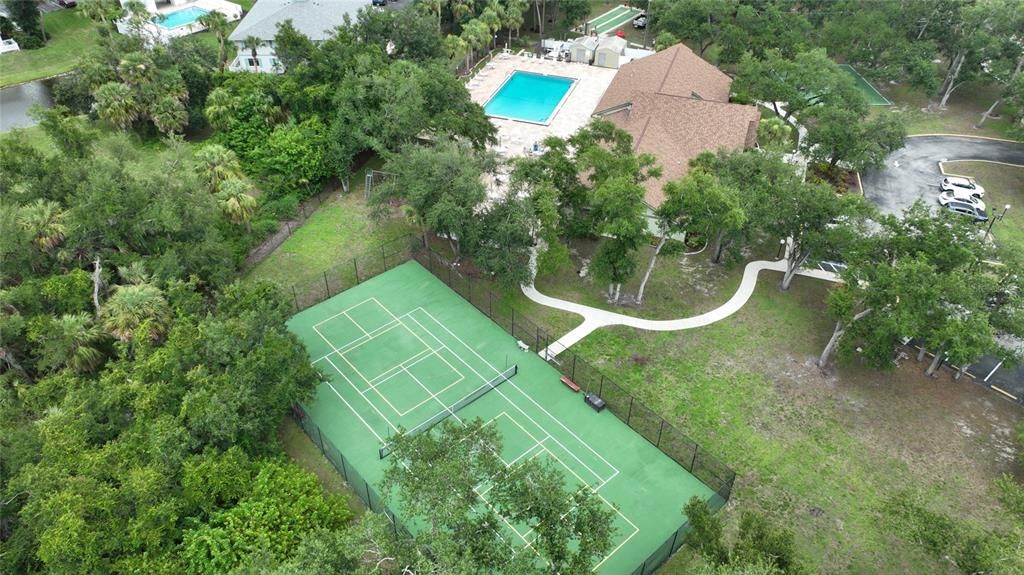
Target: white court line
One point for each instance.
(329, 384)
(356, 323)
(416, 335)
(368, 338)
(461, 378)
(434, 396)
(514, 404)
(420, 356)
(359, 340)
(348, 309)
(388, 421)
(345, 377)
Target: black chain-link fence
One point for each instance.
(313, 289)
(374, 502)
(676, 445)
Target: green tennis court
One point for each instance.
(402, 348)
(615, 18)
(872, 95)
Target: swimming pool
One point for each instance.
(180, 18)
(529, 97)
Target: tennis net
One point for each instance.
(476, 394)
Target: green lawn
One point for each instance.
(1004, 185)
(71, 37)
(819, 452)
(341, 229)
(964, 110)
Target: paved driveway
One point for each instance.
(912, 172)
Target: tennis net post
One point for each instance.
(433, 420)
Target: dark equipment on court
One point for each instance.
(595, 402)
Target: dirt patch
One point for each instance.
(946, 432)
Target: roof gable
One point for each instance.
(675, 71)
(315, 19)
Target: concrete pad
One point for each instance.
(515, 137)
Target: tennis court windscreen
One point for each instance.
(451, 409)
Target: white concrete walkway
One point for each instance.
(594, 318)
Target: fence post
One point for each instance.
(674, 537)
(490, 310)
(629, 412)
(296, 296)
(355, 264)
(369, 500)
(573, 376)
(320, 437)
(538, 339)
(449, 275)
(600, 387)
(513, 322)
(383, 258)
(660, 429)
(469, 286)
(344, 468)
(327, 285)
(693, 461)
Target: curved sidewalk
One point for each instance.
(594, 318)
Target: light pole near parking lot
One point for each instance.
(992, 220)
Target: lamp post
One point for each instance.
(782, 246)
(992, 220)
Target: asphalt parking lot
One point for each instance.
(912, 172)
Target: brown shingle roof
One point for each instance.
(676, 129)
(676, 71)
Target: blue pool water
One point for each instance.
(529, 97)
(179, 18)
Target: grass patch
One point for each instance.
(303, 452)
(71, 36)
(963, 111)
(339, 230)
(1003, 185)
(821, 453)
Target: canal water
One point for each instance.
(15, 102)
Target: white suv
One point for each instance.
(956, 183)
(959, 195)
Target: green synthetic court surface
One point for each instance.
(401, 347)
(873, 96)
(612, 19)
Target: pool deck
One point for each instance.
(515, 138)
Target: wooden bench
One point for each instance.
(570, 384)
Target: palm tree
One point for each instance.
(134, 273)
(116, 104)
(218, 164)
(491, 17)
(44, 221)
(219, 109)
(72, 342)
(102, 11)
(252, 43)
(136, 310)
(217, 23)
(169, 114)
(237, 202)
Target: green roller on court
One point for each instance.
(400, 348)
